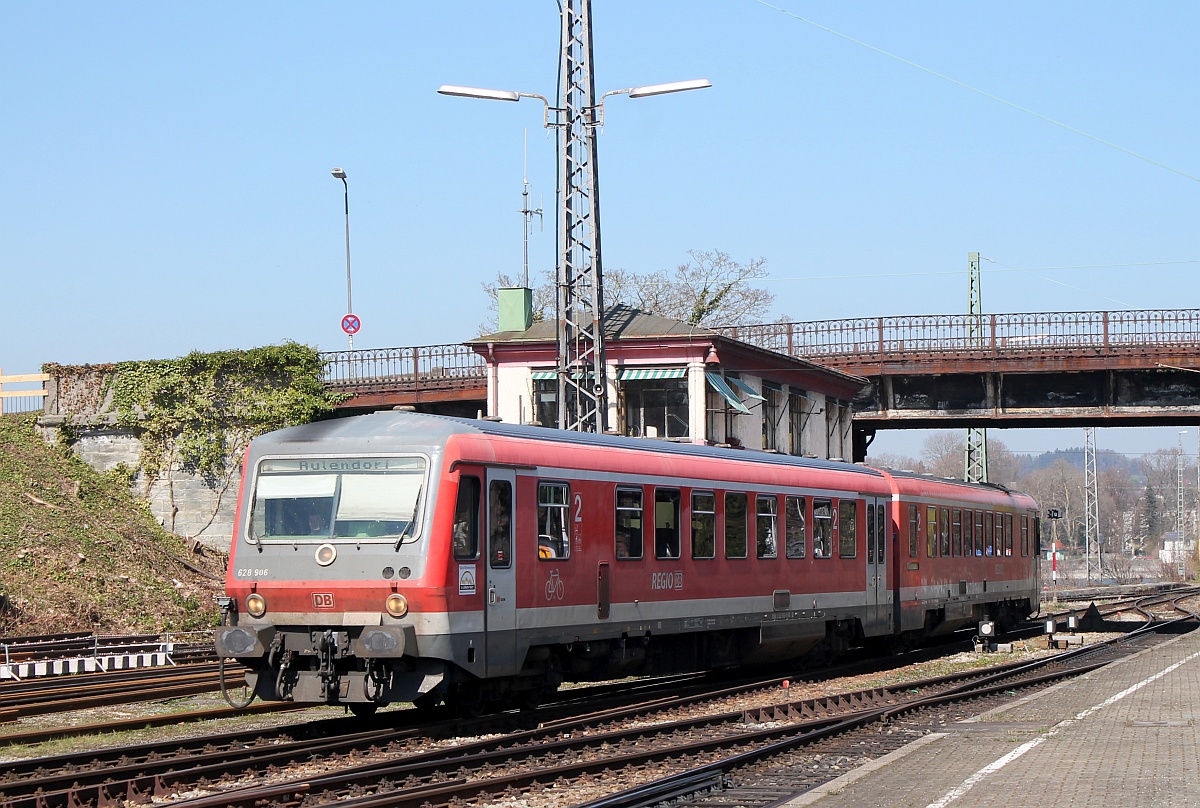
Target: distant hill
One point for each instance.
(77, 552)
(1105, 459)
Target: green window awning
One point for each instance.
(745, 388)
(632, 374)
(717, 382)
(545, 374)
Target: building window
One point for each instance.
(656, 408)
(772, 415)
(797, 418)
(545, 401)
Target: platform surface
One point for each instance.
(1125, 735)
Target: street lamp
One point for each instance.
(580, 308)
(340, 174)
(633, 92)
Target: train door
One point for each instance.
(500, 619)
(879, 594)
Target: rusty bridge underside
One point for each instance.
(1101, 368)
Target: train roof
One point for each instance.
(364, 433)
(371, 432)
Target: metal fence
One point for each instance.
(428, 367)
(1038, 334)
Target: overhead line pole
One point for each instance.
(975, 462)
(582, 382)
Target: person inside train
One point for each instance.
(317, 525)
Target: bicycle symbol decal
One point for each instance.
(554, 587)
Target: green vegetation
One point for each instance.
(77, 552)
(198, 412)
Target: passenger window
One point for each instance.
(989, 545)
(666, 523)
(628, 541)
(870, 533)
(704, 525)
(1037, 535)
(822, 528)
(931, 532)
(881, 531)
(847, 528)
(1024, 535)
(968, 533)
(554, 539)
(944, 531)
(500, 524)
(956, 537)
(767, 527)
(1008, 537)
(465, 533)
(914, 530)
(793, 526)
(735, 525)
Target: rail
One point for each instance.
(872, 340)
(52, 655)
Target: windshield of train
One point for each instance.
(332, 498)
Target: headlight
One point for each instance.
(326, 553)
(397, 605)
(256, 605)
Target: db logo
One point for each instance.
(322, 600)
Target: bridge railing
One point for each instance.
(426, 367)
(854, 341)
(1038, 334)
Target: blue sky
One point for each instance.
(167, 182)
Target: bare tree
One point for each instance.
(942, 454)
(710, 289)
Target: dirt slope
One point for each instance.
(77, 552)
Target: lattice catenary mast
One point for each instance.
(582, 386)
(975, 460)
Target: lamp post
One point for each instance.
(582, 388)
(340, 174)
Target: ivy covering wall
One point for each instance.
(198, 412)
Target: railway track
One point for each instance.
(701, 737)
(64, 693)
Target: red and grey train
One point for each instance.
(400, 556)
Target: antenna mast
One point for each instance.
(527, 213)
